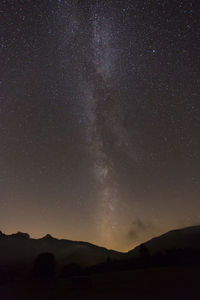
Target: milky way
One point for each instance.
(98, 95)
(103, 118)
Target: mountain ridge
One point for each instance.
(177, 238)
(66, 251)
(83, 253)
(26, 236)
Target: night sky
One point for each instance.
(99, 119)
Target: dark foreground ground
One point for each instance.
(164, 283)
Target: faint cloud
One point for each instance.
(139, 228)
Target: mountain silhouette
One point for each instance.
(188, 237)
(39, 268)
(19, 251)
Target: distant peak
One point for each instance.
(22, 235)
(48, 236)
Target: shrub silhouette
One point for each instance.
(44, 266)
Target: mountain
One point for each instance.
(188, 237)
(19, 249)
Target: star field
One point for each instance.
(99, 119)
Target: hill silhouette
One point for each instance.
(188, 237)
(47, 267)
(20, 247)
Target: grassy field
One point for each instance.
(164, 283)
